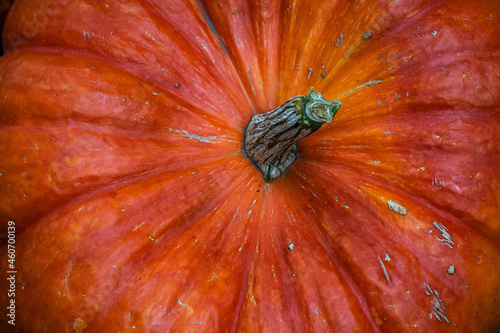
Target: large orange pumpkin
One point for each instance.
(127, 203)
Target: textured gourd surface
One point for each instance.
(121, 132)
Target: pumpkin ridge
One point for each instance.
(337, 258)
(261, 259)
(249, 270)
(250, 35)
(225, 238)
(62, 181)
(223, 48)
(94, 252)
(432, 277)
(379, 182)
(206, 112)
(424, 48)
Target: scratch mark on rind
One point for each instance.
(367, 84)
(430, 292)
(439, 312)
(67, 276)
(194, 136)
(347, 54)
(470, 298)
(385, 271)
(446, 236)
(437, 309)
(251, 81)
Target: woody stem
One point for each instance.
(271, 138)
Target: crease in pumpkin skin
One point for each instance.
(252, 46)
(278, 301)
(248, 273)
(183, 296)
(324, 66)
(128, 180)
(332, 252)
(232, 62)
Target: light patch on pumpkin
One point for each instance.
(446, 240)
(385, 271)
(188, 308)
(375, 315)
(79, 325)
(397, 208)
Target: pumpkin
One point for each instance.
(131, 202)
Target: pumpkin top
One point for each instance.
(135, 208)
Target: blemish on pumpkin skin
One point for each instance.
(378, 321)
(439, 308)
(446, 240)
(348, 52)
(66, 278)
(397, 208)
(251, 81)
(79, 325)
(310, 72)
(367, 84)
(385, 271)
(470, 298)
(339, 40)
(412, 14)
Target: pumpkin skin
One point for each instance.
(136, 211)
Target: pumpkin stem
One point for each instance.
(271, 138)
